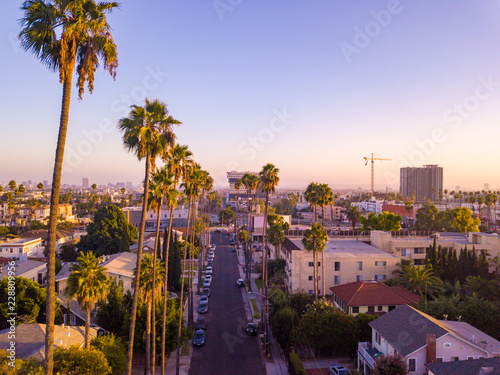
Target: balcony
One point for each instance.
(366, 352)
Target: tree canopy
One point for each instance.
(386, 221)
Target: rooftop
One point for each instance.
(346, 248)
(24, 267)
(21, 241)
(122, 263)
(373, 293)
(482, 366)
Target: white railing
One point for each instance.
(362, 347)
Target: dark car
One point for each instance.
(203, 308)
(234, 250)
(217, 230)
(240, 282)
(251, 329)
(199, 338)
(206, 292)
(201, 323)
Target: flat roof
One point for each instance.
(23, 267)
(348, 248)
(20, 241)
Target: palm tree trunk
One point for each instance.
(181, 303)
(54, 205)
(87, 328)
(323, 259)
(147, 366)
(133, 313)
(165, 294)
(315, 259)
(249, 242)
(201, 250)
(264, 263)
(191, 260)
(153, 287)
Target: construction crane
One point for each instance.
(372, 158)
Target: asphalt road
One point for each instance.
(227, 349)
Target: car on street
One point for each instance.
(211, 254)
(210, 264)
(227, 233)
(217, 230)
(208, 271)
(337, 369)
(204, 299)
(210, 259)
(199, 338)
(208, 278)
(201, 323)
(203, 308)
(240, 282)
(212, 247)
(231, 241)
(206, 292)
(206, 283)
(251, 329)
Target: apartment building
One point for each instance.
(346, 261)
(414, 248)
(426, 182)
(22, 248)
(179, 218)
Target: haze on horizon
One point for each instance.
(311, 87)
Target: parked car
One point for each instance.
(240, 282)
(212, 246)
(336, 369)
(208, 278)
(251, 329)
(201, 323)
(199, 338)
(234, 250)
(211, 254)
(204, 299)
(208, 271)
(206, 283)
(206, 292)
(217, 230)
(203, 308)
(210, 264)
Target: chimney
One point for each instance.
(431, 348)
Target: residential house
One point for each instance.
(370, 297)
(422, 339)
(31, 269)
(482, 366)
(21, 248)
(179, 218)
(30, 339)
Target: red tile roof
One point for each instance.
(373, 293)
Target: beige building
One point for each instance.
(414, 248)
(22, 248)
(346, 261)
(31, 269)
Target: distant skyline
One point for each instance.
(312, 87)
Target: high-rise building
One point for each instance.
(86, 183)
(232, 177)
(424, 183)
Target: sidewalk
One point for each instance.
(276, 364)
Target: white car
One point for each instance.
(212, 247)
(208, 279)
(337, 369)
(208, 271)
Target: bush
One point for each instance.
(76, 361)
(391, 365)
(296, 366)
(113, 350)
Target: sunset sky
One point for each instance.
(311, 86)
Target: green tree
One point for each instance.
(315, 240)
(31, 299)
(226, 215)
(353, 215)
(394, 364)
(276, 231)
(312, 197)
(325, 198)
(75, 361)
(110, 233)
(112, 313)
(464, 220)
(89, 283)
(68, 252)
(114, 351)
(426, 217)
(386, 221)
(282, 323)
(62, 34)
(420, 280)
(147, 131)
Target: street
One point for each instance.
(228, 350)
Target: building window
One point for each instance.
(405, 252)
(379, 308)
(310, 278)
(447, 345)
(419, 250)
(337, 266)
(311, 264)
(454, 359)
(412, 364)
(380, 277)
(371, 309)
(319, 264)
(391, 308)
(359, 277)
(381, 263)
(337, 280)
(472, 357)
(377, 338)
(359, 266)
(311, 291)
(439, 359)
(355, 309)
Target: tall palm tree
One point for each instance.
(269, 180)
(147, 131)
(311, 196)
(420, 280)
(160, 184)
(207, 183)
(150, 285)
(325, 198)
(252, 184)
(62, 34)
(237, 185)
(89, 283)
(315, 240)
(178, 160)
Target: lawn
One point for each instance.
(256, 313)
(258, 282)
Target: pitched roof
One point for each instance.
(30, 338)
(44, 233)
(405, 328)
(482, 366)
(122, 263)
(24, 267)
(373, 293)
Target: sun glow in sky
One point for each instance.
(311, 86)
